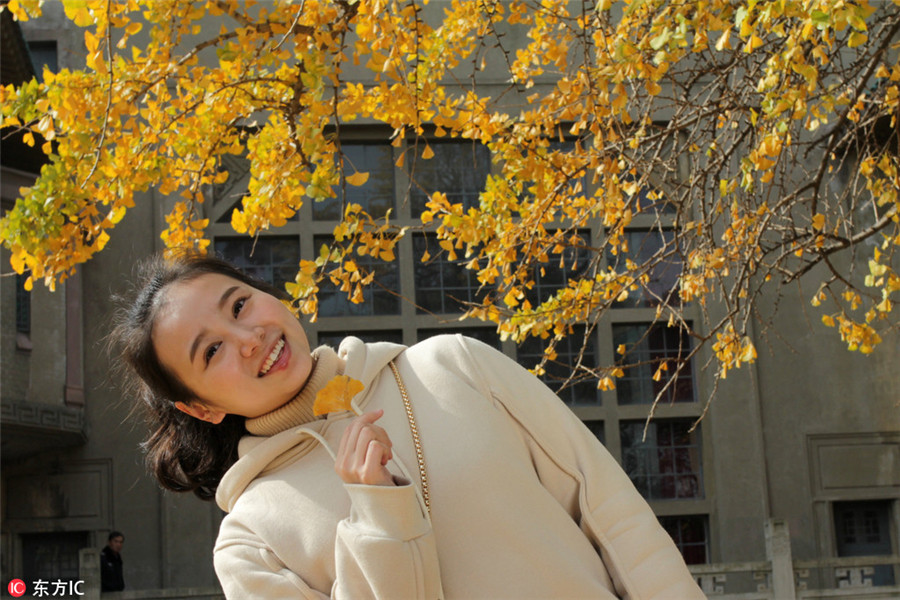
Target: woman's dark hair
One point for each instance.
(183, 453)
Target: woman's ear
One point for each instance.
(199, 411)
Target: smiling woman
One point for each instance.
(239, 347)
(184, 453)
(325, 506)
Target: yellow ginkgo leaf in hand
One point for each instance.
(336, 395)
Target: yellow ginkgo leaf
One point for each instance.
(358, 178)
(337, 395)
(818, 221)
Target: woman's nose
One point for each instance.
(251, 339)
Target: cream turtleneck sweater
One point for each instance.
(299, 410)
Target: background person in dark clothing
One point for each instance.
(111, 579)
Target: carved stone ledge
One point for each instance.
(31, 427)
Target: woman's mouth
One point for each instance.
(273, 357)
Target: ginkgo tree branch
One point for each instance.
(762, 136)
(842, 244)
(109, 95)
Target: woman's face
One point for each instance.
(238, 348)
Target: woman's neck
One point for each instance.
(299, 410)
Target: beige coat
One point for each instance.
(525, 502)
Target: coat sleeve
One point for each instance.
(579, 472)
(384, 549)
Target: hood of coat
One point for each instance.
(258, 455)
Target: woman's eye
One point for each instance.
(238, 306)
(210, 352)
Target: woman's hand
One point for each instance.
(364, 451)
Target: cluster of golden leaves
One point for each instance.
(732, 124)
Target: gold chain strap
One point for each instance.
(420, 456)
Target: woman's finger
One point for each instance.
(371, 435)
(366, 466)
(351, 433)
(366, 423)
(374, 471)
(363, 452)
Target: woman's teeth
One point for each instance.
(273, 356)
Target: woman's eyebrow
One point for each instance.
(221, 305)
(224, 299)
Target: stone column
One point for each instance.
(778, 549)
(89, 572)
